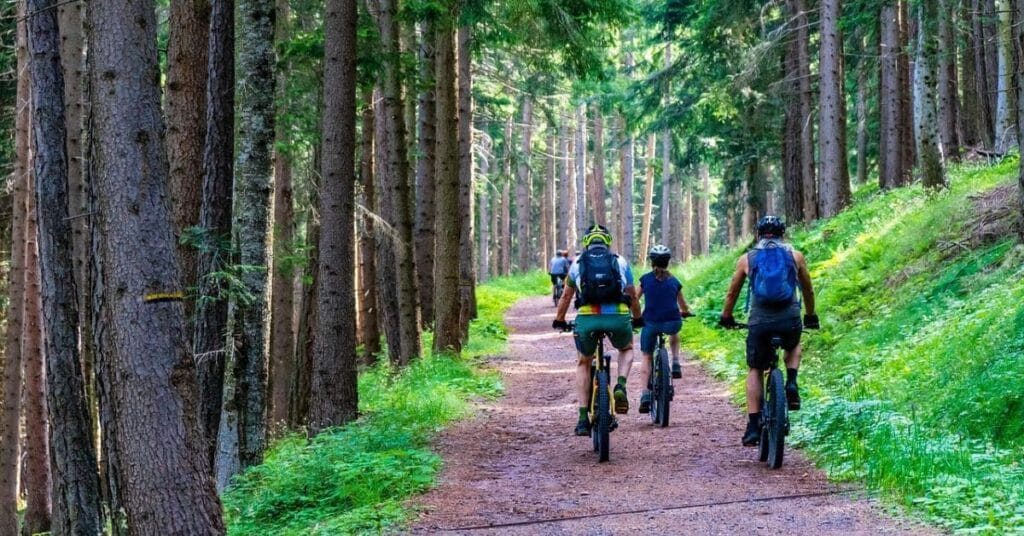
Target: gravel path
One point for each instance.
(516, 468)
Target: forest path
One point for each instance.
(516, 468)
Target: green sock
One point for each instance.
(584, 414)
(622, 381)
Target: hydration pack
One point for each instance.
(773, 275)
(600, 281)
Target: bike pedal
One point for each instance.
(614, 425)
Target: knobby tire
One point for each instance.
(663, 387)
(777, 423)
(604, 417)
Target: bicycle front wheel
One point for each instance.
(603, 422)
(776, 403)
(663, 389)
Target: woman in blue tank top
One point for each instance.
(664, 310)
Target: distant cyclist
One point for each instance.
(775, 270)
(606, 303)
(664, 310)
(558, 268)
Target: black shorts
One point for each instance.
(556, 277)
(759, 341)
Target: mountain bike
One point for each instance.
(602, 423)
(559, 289)
(659, 381)
(774, 410)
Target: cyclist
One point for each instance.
(664, 310)
(775, 270)
(605, 299)
(558, 268)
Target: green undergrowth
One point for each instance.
(356, 479)
(915, 384)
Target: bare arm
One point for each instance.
(563, 304)
(806, 287)
(634, 303)
(735, 286)
(681, 300)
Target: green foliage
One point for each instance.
(915, 382)
(355, 479)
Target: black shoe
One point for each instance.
(677, 370)
(752, 436)
(583, 427)
(621, 400)
(793, 397)
(645, 402)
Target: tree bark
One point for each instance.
(582, 221)
(805, 117)
(547, 202)
(334, 398)
(666, 188)
(645, 226)
(251, 227)
(834, 185)
(282, 338)
(906, 73)
(792, 152)
(891, 165)
(505, 229)
(146, 372)
(467, 266)
(485, 214)
(1005, 106)
(189, 24)
(982, 87)
(523, 188)
(628, 150)
(447, 307)
(568, 210)
(948, 105)
(387, 279)
(395, 183)
(10, 419)
(370, 309)
(933, 174)
(596, 189)
(684, 223)
(298, 407)
(970, 107)
(425, 164)
(862, 116)
(1018, 40)
(210, 333)
(704, 217)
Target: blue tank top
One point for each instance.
(660, 303)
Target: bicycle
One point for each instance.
(559, 289)
(659, 381)
(602, 423)
(774, 410)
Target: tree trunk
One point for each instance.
(948, 105)
(684, 222)
(251, 224)
(628, 150)
(387, 279)
(569, 212)
(547, 202)
(334, 399)
(523, 189)
(862, 116)
(909, 151)
(805, 117)
(447, 307)
(703, 231)
(793, 125)
(143, 357)
(394, 181)
(37, 448)
(562, 209)
(645, 226)
(970, 106)
(189, 25)
(982, 87)
(505, 230)
(834, 185)
(485, 214)
(582, 221)
(666, 188)
(369, 307)
(933, 174)
(990, 37)
(282, 292)
(1018, 40)
(298, 407)
(596, 189)
(210, 335)
(467, 266)
(10, 419)
(425, 164)
(891, 166)
(1005, 106)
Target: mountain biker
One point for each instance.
(775, 270)
(664, 310)
(558, 268)
(602, 284)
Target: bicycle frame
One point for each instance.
(600, 363)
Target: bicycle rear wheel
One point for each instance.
(776, 397)
(662, 388)
(603, 422)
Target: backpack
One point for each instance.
(773, 276)
(600, 281)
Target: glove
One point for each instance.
(560, 325)
(812, 322)
(638, 323)
(686, 314)
(727, 322)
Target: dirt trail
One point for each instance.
(518, 462)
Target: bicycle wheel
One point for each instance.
(762, 444)
(602, 426)
(663, 388)
(777, 423)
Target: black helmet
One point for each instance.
(598, 234)
(771, 227)
(659, 255)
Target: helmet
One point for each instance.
(660, 255)
(598, 234)
(771, 227)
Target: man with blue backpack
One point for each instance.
(776, 271)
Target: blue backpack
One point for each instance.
(773, 276)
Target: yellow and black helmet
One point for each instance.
(598, 234)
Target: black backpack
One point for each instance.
(600, 281)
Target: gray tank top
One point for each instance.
(761, 313)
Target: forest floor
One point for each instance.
(516, 468)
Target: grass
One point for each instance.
(356, 479)
(915, 384)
